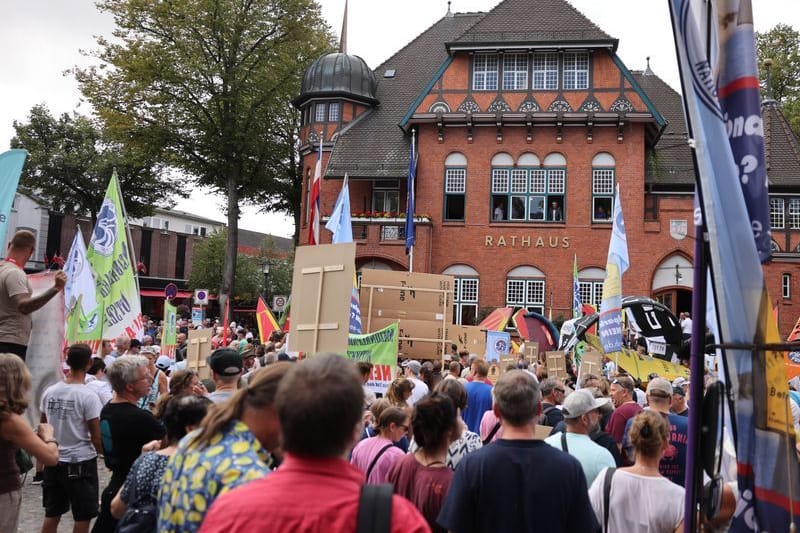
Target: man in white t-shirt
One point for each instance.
(686, 325)
(74, 412)
(411, 372)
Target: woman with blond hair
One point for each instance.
(231, 448)
(640, 499)
(181, 383)
(399, 392)
(16, 434)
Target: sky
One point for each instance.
(41, 39)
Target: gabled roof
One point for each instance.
(374, 146)
(781, 146)
(533, 22)
(670, 162)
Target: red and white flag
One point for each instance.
(313, 227)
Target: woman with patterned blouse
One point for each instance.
(230, 449)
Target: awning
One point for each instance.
(159, 293)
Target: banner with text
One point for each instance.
(380, 349)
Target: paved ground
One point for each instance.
(32, 513)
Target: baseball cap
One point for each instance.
(415, 366)
(225, 362)
(148, 349)
(680, 382)
(679, 391)
(581, 402)
(163, 362)
(660, 388)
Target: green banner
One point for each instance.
(379, 347)
(169, 336)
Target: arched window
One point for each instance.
(603, 180)
(525, 287)
(455, 186)
(466, 286)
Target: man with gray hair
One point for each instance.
(545, 487)
(553, 395)
(124, 428)
(122, 344)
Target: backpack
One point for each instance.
(142, 519)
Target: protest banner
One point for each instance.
(556, 364)
(169, 337)
(197, 351)
(498, 345)
(380, 349)
(321, 289)
(469, 338)
(420, 303)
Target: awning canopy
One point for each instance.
(156, 293)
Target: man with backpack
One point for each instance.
(552, 396)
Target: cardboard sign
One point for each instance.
(532, 352)
(494, 372)
(592, 363)
(198, 349)
(469, 338)
(541, 432)
(421, 304)
(556, 365)
(321, 289)
(380, 349)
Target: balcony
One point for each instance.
(382, 228)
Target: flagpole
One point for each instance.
(411, 205)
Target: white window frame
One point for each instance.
(794, 213)
(455, 184)
(777, 213)
(524, 291)
(333, 112)
(591, 291)
(466, 292)
(484, 72)
(603, 180)
(515, 72)
(545, 71)
(319, 113)
(575, 71)
(786, 285)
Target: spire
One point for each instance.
(648, 71)
(449, 13)
(768, 98)
(343, 36)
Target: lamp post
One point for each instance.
(678, 275)
(265, 270)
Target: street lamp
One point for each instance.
(678, 275)
(265, 264)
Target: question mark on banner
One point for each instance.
(750, 163)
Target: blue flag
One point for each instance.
(410, 198)
(768, 472)
(576, 289)
(610, 326)
(498, 344)
(11, 163)
(340, 223)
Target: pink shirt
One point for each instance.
(487, 425)
(366, 450)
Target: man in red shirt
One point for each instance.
(625, 408)
(319, 403)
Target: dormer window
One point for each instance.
(576, 71)
(545, 71)
(319, 113)
(333, 112)
(484, 72)
(515, 72)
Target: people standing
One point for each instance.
(375, 455)
(74, 412)
(16, 296)
(553, 392)
(16, 434)
(679, 405)
(545, 488)
(124, 428)
(158, 385)
(641, 500)
(625, 408)
(97, 382)
(479, 396)
(411, 370)
(226, 369)
(320, 394)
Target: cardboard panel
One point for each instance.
(197, 351)
(532, 351)
(469, 338)
(592, 363)
(419, 339)
(321, 290)
(556, 365)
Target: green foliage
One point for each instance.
(781, 44)
(281, 268)
(72, 159)
(207, 265)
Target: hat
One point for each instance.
(163, 362)
(415, 366)
(136, 343)
(659, 388)
(581, 402)
(680, 382)
(606, 408)
(248, 351)
(225, 362)
(148, 349)
(679, 391)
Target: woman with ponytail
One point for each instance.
(230, 449)
(181, 383)
(640, 499)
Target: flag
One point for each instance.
(610, 322)
(497, 319)
(169, 335)
(340, 223)
(576, 289)
(411, 197)
(109, 254)
(265, 320)
(313, 227)
(284, 321)
(768, 472)
(11, 163)
(355, 309)
(498, 344)
(80, 286)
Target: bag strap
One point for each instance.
(607, 497)
(564, 441)
(492, 433)
(375, 509)
(375, 459)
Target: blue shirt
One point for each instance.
(195, 477)
(479, 400)
(673, 464)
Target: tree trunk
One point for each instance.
(231, 246)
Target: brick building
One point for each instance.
(523, 126)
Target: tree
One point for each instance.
(208, 262)
(205, 84)
(72, 159)
(281, 268)
(781, 45)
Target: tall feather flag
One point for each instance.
(313, 227)
(342, 227)
(11, 163)
(411, 200)
(80, 286)
(265, 320)
(610, 323)
(576, 289)
(169, 337)
(768, 473)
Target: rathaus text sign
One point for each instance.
(526, 241)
